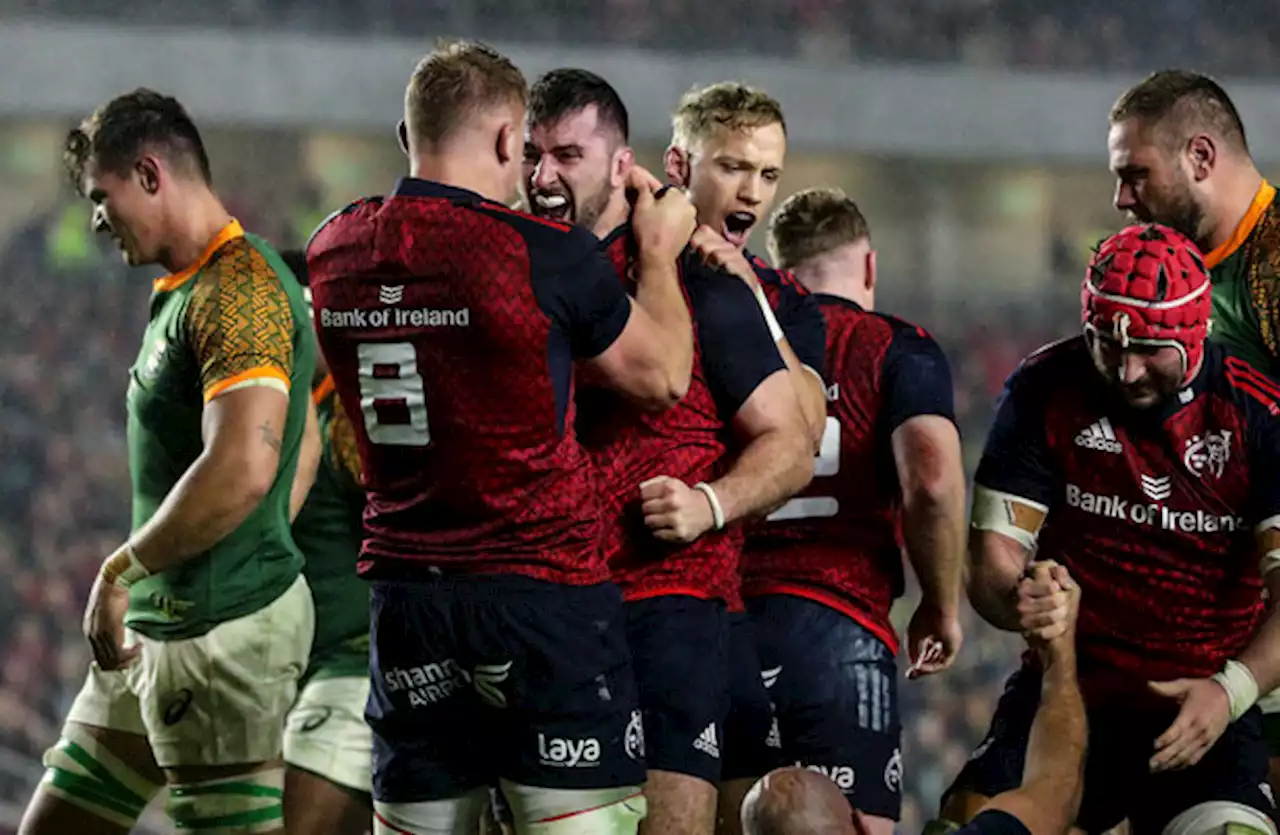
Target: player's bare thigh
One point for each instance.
(678, 805)
(316, 806)
(48, 814)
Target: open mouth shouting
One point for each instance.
(553, 205)
(737, 226)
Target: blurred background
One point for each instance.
(972, 133)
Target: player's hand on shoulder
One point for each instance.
(934, 637)
(674, 511)
(663, 221)
(1048, 604)
(719, 253)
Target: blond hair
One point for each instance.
(728, 105)
(458, 80)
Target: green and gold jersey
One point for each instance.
(1246, 285)
(235, 318)
(329, 529)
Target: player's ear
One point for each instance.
(1202, 152)
(402, 134)
(675, 164)
(871, 269)
(624, 159)
(148, 171)
(508, 143)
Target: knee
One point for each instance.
(538, 811)
(248, 802)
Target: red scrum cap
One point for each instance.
(1147, 285)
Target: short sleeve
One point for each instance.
(579, 289)
(239, 323)
(1015, 459)
(800, 317)
(737, 352)
(915, 379)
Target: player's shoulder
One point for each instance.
(552, 246)
(353, 211)
(1233, 377)
(244, 260)
(1054, 363)
(771, 277)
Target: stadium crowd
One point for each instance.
(1090, 34)
(64, 495)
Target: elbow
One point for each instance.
(934, 492)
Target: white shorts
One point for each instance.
(1270, 703)
(218, 699)
(326, 733)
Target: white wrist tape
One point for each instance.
(1270, 562)
(717, 512)
(775, 330)
(1242, 689)
(122, 569)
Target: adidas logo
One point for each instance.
(1099, 435)
(706, 742)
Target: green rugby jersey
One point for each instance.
(329, 529)
(235, 318)
(1246, 292)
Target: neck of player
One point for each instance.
(459, 170)
(844, 272)
(614, 215)
(191, 229)
(1237, 197)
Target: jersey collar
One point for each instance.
(841, 301)
(416, 187)
(1188, 393)
(173, 281)
(1266, 194)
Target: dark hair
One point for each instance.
(457, 81)
(119, 132)
(563, 92)
(1182, 103)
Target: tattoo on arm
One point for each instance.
(271, 438)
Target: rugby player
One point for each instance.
(728, 146)
(451, 324)
(822, 575)
(735, 446)
(1143, 459)
(797, 801)
(328, 747)
(1180, 157)
(200, 623)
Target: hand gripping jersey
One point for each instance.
(451, 324)
(1152, 512)
(235, 318)
(328, 530)
(733, 354)
(839, 541)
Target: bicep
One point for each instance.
(772, 407)
(246, 427)
(585, 300)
